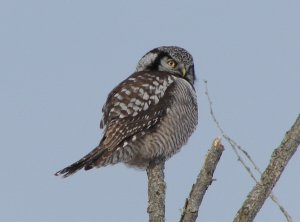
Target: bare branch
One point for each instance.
(204, 179)
(271, 175)
(236, 148)
(156, 191)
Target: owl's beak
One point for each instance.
(183, 70)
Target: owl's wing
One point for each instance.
(134, 106)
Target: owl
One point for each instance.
(149, 116)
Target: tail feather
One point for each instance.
(84, 162)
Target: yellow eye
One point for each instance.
(172, 63)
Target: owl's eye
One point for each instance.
(171, 63)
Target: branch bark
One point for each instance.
(278, 162)
(156, 191)
(204, 179)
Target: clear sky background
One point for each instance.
(60, 59)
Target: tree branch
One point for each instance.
(156, 191)
(240, 151)
(278, 162)
(204, 179)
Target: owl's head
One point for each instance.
(171, 59)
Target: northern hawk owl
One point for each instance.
(148, 116)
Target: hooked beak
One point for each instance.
(183, 70)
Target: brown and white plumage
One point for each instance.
(149, 115)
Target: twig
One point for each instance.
(236, 148)
(156, 191)
(204, 179)
(271, 175)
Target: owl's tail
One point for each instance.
(85, 162)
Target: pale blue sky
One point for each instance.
(60, 59)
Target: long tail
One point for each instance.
(84, 162)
